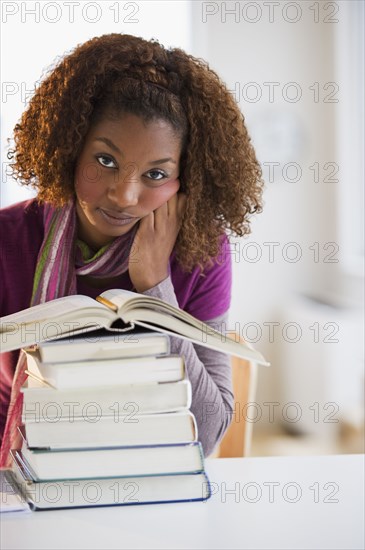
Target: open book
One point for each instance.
(78, 314)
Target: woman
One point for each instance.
(142, 162)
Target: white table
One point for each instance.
(277, 502)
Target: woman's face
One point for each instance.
(127, 169)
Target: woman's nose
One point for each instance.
(125, 189)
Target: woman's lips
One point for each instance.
(116, 218)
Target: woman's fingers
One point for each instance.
(173, 208)
(155, 240)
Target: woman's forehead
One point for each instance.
(131, 133)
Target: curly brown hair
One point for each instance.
(118, 73)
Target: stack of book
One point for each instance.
(111, 426)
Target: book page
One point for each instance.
(155, 314)
(12, 503)
(119, 296)
(10, 498)
(48, 310)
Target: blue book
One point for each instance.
(115, 491)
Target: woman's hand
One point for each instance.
(154, 242)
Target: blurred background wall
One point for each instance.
(296, 70)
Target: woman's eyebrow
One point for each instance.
(160, 161)
(112, 145)
(109, 143)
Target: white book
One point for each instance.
(112, 431)
(91, 374)
(102, 345)
(41, 403)
(75, 314)
(113, 462)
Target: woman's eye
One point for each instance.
(106, 161)
(156, 175)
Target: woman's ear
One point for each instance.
(181, 185)
(181, 205)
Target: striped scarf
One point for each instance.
(62, 257)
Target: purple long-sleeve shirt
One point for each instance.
(206, 296)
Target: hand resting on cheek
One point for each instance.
(154, 242)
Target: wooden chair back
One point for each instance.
(237, 440)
